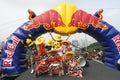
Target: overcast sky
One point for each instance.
(14, 12)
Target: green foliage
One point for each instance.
(93, 46)
(0, 55)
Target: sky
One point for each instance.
(14, 13)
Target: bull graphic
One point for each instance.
(81, 19)
(49, 19)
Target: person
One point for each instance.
(100, 55)
(66, 46)
(58, 38)
(74, 68)
(69, 55)
(49, 45)
(118, 64)
(41, 52)
(1, 74)
(0, 53)
(30, 46)
(73, 65)
(32, 61)
(58, 48)
(40, 44)
(0, 50)
(55, 63)
(29, 42)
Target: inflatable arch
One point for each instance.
(63, 19)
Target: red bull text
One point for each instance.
(10, 51)
(116, 40)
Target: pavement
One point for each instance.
(95, 71)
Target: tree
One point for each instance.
(94, 46)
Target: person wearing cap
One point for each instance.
(40, 43)
(59, 48)
(49, 45)
(74, 68)
(29, 41)
(118, 64)
(66, 46)
(58, 38)
(69, 55)
(31, 50)
(55, 63)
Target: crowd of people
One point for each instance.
(54, 55)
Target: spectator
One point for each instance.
(0, 53)
(118, 64)
(100, 55)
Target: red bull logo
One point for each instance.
(50, 19)
(66, 22)
(10, 52)
(82, 19)
(116, 40)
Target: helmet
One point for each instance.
(49, 42)
(40, 40)
(58, 38)
(28, 41)
(56, 44)
(70, 53)
(67, 43)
